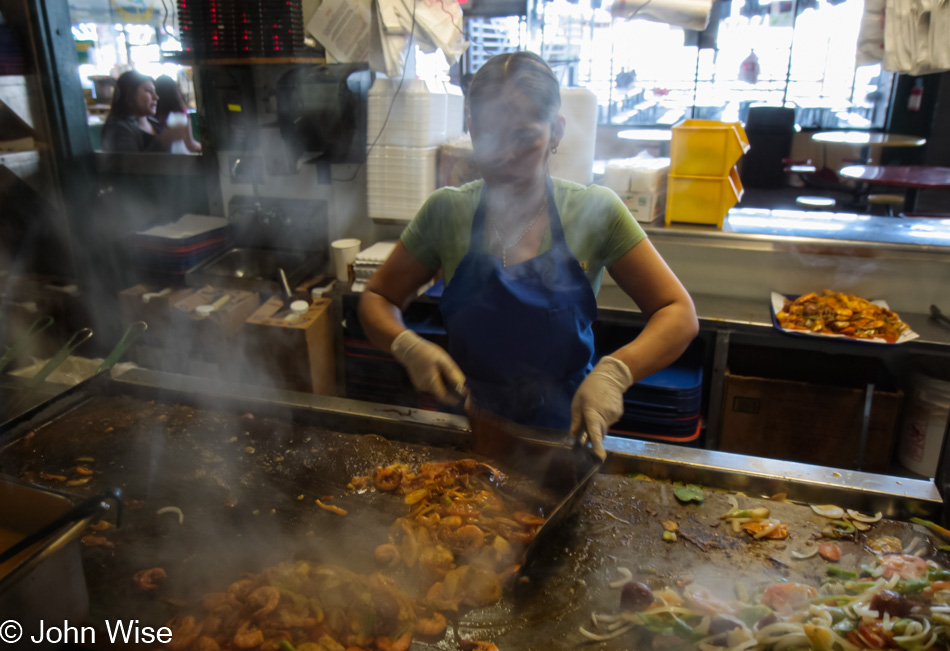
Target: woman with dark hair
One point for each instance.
(172, 111)
(523, 256)
(131, 125)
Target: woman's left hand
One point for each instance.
(598, 401)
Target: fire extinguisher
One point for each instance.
(916, 95)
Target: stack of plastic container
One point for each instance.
(402, 160)
(704, 183)
(664, 406)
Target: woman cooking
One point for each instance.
(131, 125)
(523, 256)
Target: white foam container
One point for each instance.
(418, 117)
(925, 420)
(574, 159)
(399, 180)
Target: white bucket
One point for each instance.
(925, 421)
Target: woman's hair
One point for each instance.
(524, 70)
(169, 98)
(123, 98)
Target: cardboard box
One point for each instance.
(645, 206)
(296, 353)
(456, 165)
(808, 422)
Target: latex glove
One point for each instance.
(430, 368)
(598, 402)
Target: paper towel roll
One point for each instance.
(574, 159)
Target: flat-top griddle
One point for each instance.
(246, 475)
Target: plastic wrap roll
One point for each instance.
(574, 159)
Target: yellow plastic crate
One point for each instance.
(706, 147)
(702, 199)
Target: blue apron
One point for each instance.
(522, 334)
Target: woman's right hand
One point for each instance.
(430, 368)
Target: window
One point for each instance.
(798, 53)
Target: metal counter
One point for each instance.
(762, 226)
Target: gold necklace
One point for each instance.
(501, 241)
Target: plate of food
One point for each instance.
(836, 314)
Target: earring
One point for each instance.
(553, 150)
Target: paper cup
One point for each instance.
(344, 254)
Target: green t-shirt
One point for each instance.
(597, 226)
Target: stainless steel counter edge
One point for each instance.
(752, 475)
(766, 477)
(915, 237)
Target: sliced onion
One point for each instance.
(860, 526)
(828, 511)
(626, 575)
(603, 638)
(807, 554)
(860, 517)
(172, 509)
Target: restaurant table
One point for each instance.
(866, 140)
(911, 177)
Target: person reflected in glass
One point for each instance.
(172, 111)
(523, 255)
(131, 126)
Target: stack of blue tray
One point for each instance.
(179, 246)
(664, 406)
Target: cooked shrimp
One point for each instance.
(521, 537)
(400, 644)
(205, 643)
(387, 555)
(248, 637)
(440, 597)
(183, 634)
(238, 591)
(148, 580)
(265, 599)
(472, 645)
(468, 538)
(388, 478)
(214, 600)
(529, 519)
(493, 474)
(431, 626)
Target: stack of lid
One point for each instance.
(704, 183)
(368, 261)
(664, 406)
(221, 29)
(177, 247)
(404, 130)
